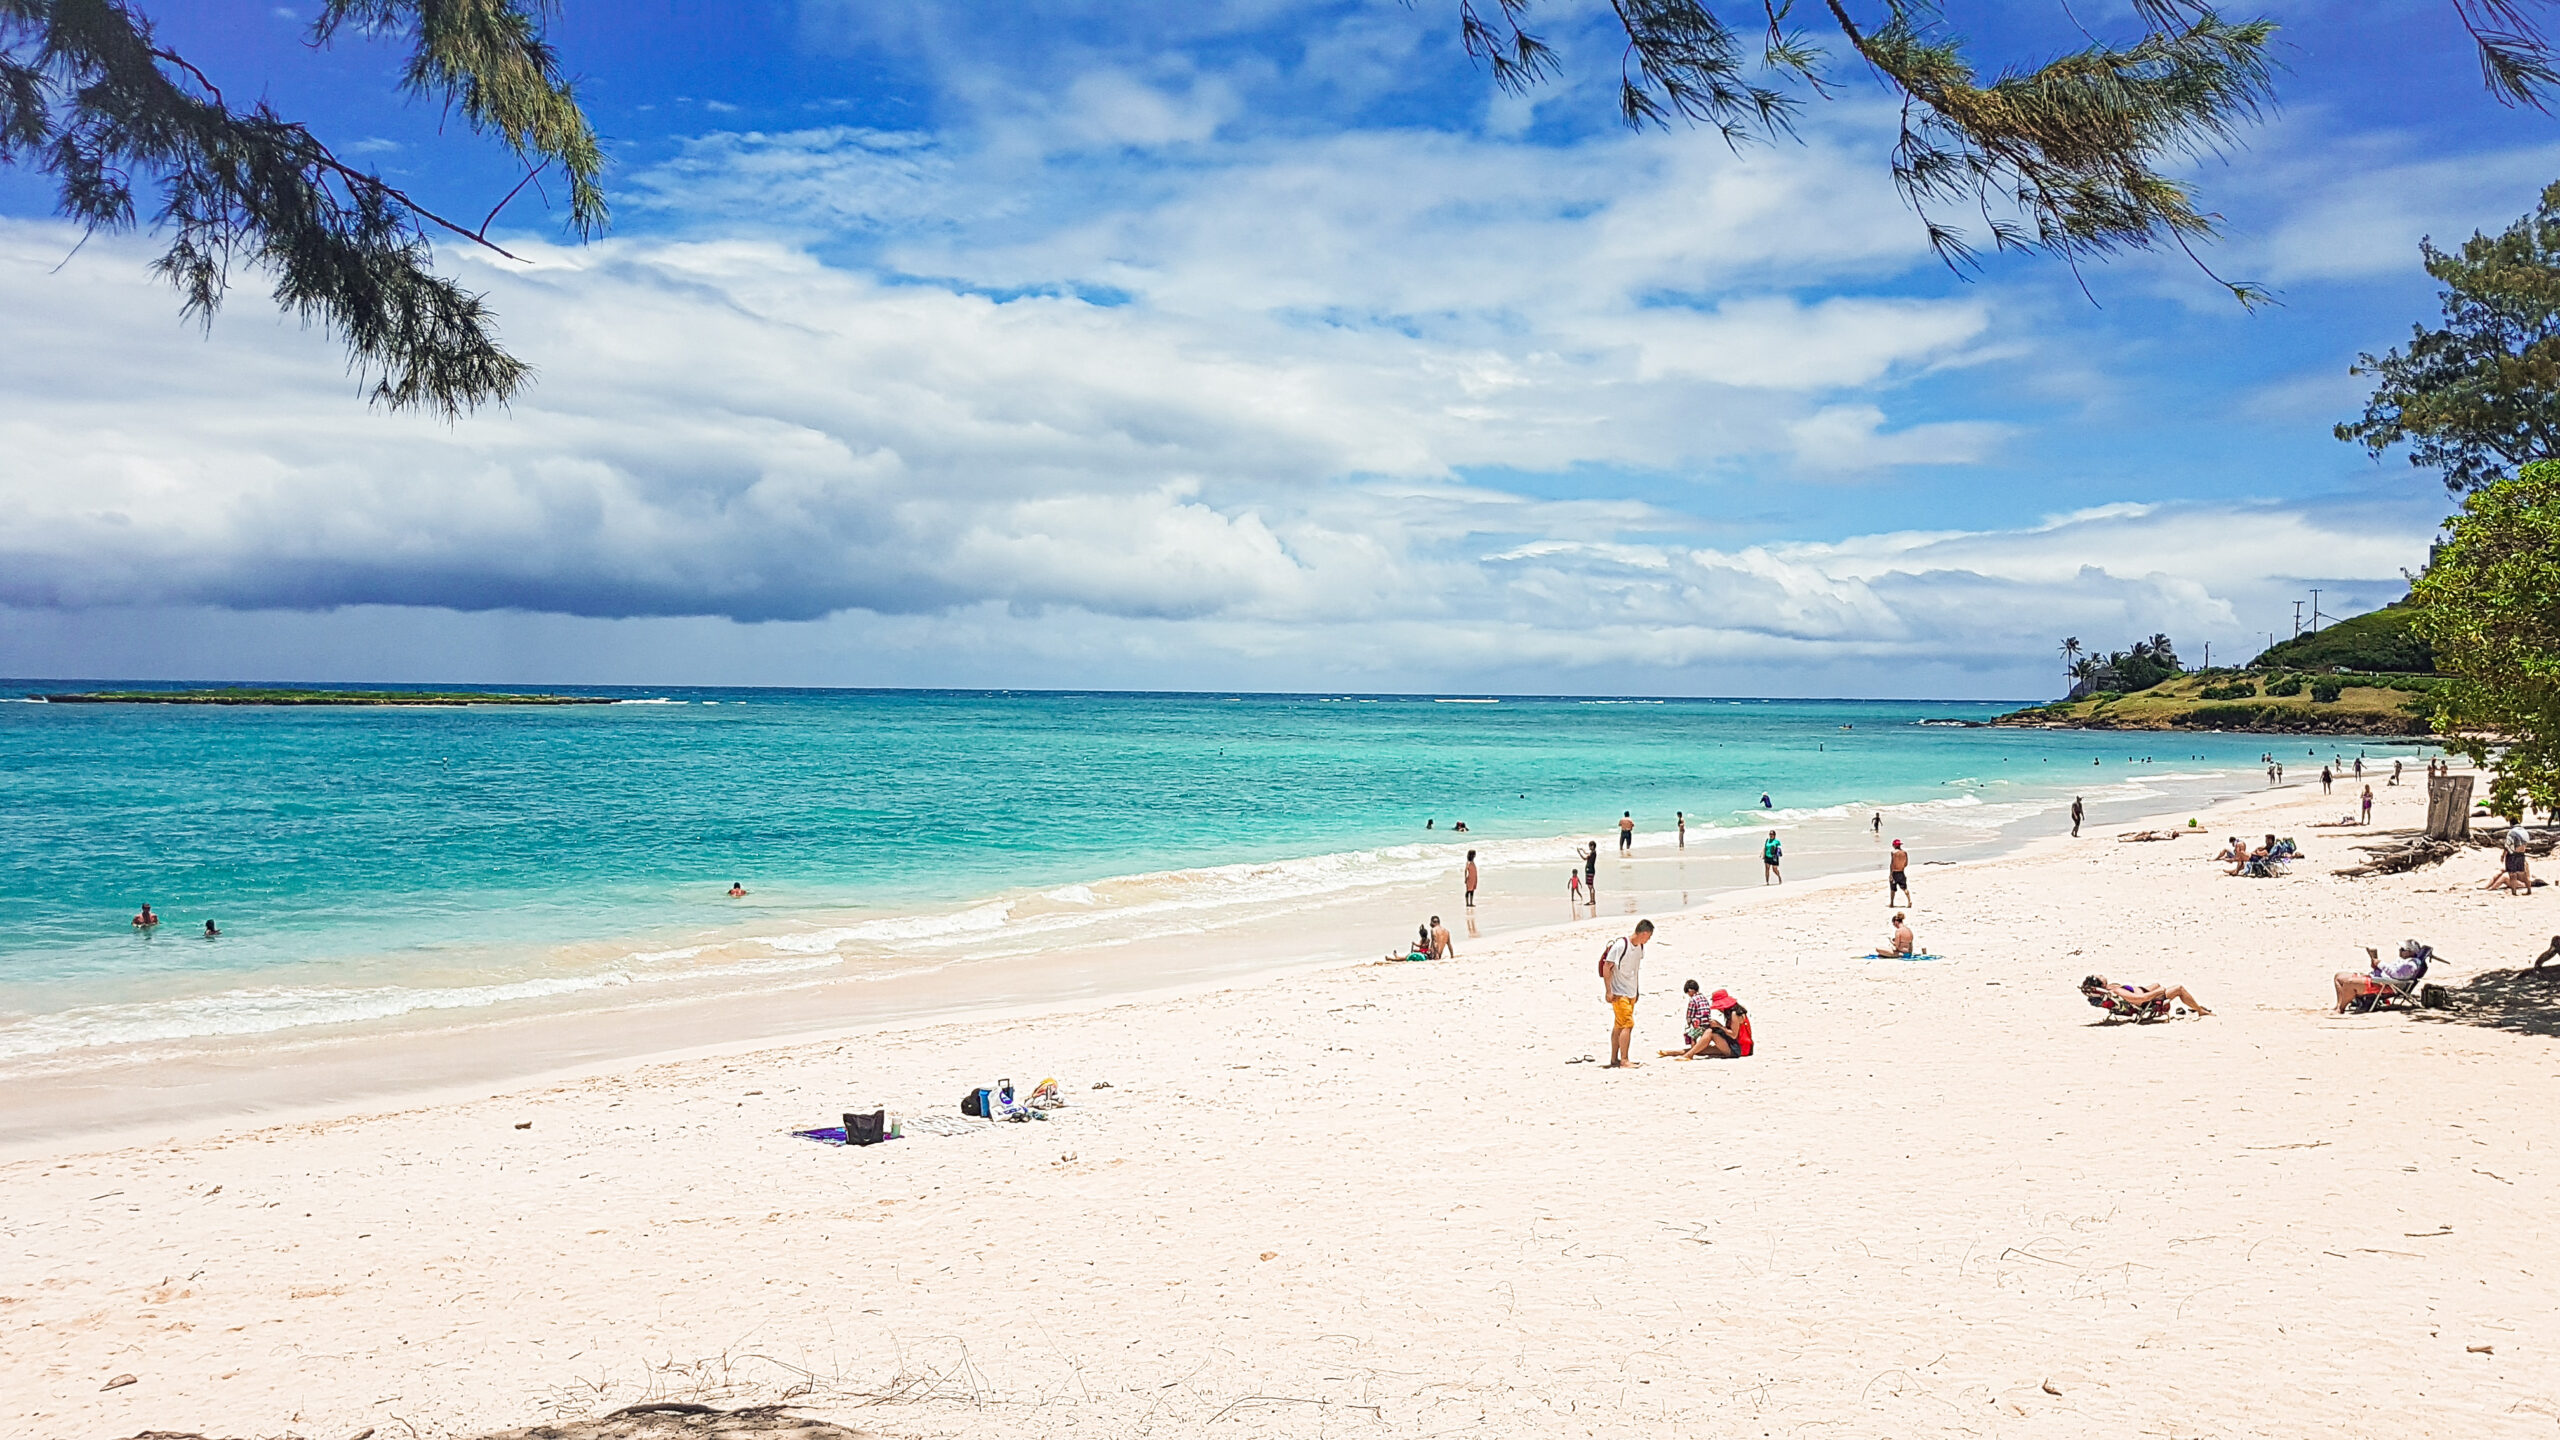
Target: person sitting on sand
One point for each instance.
(1702, 1016)
(736, 890)
(2377, 977)
(2515, 874)
(146, 919)
(1420, 949)
(2144, 995)
(2238, 855)
(1718, 1029)
(1902, 945)
(1438, 934)
(2549, 953)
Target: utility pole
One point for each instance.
(2315, 612)
(2297, 619)
(2208, 654)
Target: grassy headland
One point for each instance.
(239, 695)
(2238, 700)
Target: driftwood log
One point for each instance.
(2401, 856)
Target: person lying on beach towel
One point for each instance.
(2140, 995)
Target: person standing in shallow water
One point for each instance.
(1626, 831)
(1471, 879)
(1591, 873)
(1680, 819)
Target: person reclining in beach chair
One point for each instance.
(2265, 862)
(2384, 986)
(2135, 1002)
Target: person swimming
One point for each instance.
(211, 931)
(736, 890)
(146, 919)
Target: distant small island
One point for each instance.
(239, 695)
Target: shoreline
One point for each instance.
(198, 1085)
(401, 1067)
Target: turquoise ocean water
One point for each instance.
(366, 864)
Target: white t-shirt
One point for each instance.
(1622, 981)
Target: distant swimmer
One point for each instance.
(1771, 852)
(1460, 827)
(1430, 824)
(736, 890)
(1764, 800)
(1626, 831)
(1471, 879)
(211, 932)
(146, 919)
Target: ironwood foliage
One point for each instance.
(90, 96)
(2065, 157)
(2479, 396)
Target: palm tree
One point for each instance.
(2163, 649)
(2070, 654)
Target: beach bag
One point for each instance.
(1614, 950)
(868, 1129)
(989, 1102)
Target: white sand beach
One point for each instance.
(1378, 1200)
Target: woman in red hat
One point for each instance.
(1718, 1029)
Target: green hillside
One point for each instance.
(2378, 643)
(2230, 700)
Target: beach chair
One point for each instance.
(2120, 1006)
(2409, 994)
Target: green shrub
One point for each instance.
(2108, 697)
(2283, 685)
(2327, 689)
(2231, 717)
(2237, 690)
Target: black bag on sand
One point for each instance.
(974, 1103)
(868, 1129)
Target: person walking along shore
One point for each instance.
(1898, 875)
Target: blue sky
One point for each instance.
(1241, 345)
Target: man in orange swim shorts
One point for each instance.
(1621, 967)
